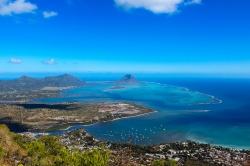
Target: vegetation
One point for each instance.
(27, 88)
(47, 150)
(198, 163)
(25, 83)
(59, 127)
(16, 149)
(168, 162)
(78, 148)
(42, 116)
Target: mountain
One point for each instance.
(25, 83)
(127, 79)
(62, 81)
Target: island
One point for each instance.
(117, 87)
(127, 79)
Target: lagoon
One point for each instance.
(214, 111)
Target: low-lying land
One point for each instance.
(26, 96)
(45, 116)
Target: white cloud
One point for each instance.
(49, 14)
(193, 2)
(49, 62)
(14, 60)
(9, 7)
(156, 6)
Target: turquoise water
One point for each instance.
(182, 114)
(149, 93)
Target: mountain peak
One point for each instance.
(127, 79)
(28, 83)
(66, 75)
(129, 76)
(25, 78)
(63, 80)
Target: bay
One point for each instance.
(182, 115)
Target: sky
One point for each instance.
(154, 36)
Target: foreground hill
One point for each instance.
(127, 79)
(28, 83)
(21, 150)
(76, 148)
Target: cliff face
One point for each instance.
(29, 83)
(127, 79)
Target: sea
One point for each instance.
(203, 109)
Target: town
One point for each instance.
(182, 153)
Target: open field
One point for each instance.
(24, 96)
(43, 116)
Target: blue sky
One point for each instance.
(166, 36)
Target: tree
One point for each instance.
(158, 163)
(88, 158)
(2, 153)
(52, 144)
(168, 162)
(36, 152)
(47, 150)
(171, 162)
(9, 149)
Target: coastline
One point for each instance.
(191, 139)
(156, 111)
(233, 147)
(66, 128)
(126, 117)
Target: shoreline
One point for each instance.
(126, 117)
(193, 140)
(219, 145)
(66, 128)
(219, 101)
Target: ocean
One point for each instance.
(207, 110)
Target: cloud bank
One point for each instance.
(8, 7)
(14, 60)
(156, 6)
(49, 62)
(49, 14)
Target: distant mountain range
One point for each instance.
(28, 83)
(127, 79)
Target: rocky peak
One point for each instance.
(127, 79)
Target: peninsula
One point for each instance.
(44, 116)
